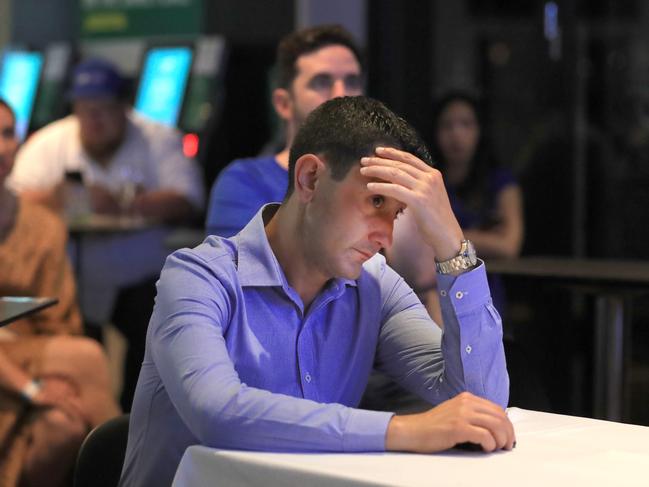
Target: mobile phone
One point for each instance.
(74, 177)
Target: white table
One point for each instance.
(553, 450)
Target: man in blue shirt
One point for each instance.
(313, 65)
(265, 341)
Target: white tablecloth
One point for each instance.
(552, 450)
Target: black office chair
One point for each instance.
(101, 456)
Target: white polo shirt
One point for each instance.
(151, 155)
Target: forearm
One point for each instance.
(51, 198)
(494, 244)
(472, 345)
(254, 419)
(223, 412)
(187, 345)
(505, 239)
(468, 356)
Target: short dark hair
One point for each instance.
(343, 130)
(306, 41)
(6, 105)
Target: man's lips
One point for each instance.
(367, 255)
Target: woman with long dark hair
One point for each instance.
(485, 197)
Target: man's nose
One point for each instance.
(382, 234)
(338, 89)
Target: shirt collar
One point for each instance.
(257, 264)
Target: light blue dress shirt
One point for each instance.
(234, 361)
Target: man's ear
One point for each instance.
(309, 169)
(283, 104)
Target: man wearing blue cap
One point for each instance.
(128, 165)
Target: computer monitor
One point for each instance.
(20, 72)
(162, 84)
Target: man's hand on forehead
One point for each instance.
(408, 179)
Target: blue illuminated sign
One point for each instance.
(19, 76)
(162, 84)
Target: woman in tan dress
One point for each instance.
(54, 387)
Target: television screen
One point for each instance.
(162, 83)
(19, 75)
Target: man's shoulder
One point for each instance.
(150, 129)
(217, 255)
(57, 131)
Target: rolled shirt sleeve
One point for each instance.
(468, 355)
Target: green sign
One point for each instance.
(139, 18)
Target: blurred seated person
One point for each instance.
(313, 65)
(485, 197)
(54, 387)
(127, 164)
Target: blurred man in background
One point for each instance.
(313, 65)
(128, 166)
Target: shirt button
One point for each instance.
(307, 377)
(468, 349)
(459, 295)
(442, 293)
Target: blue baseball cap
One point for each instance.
(96, 78)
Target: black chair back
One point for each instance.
(101, 456)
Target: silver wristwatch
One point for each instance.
(464, 260)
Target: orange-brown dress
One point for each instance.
(33, 262)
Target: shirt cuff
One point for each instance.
(467, 290)
(366, 430)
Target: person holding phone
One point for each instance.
(54, 386)
(128, 165)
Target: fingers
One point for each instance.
(71, 406)
(413, 169)
(390, 173)
(403, 169)
(496, 431)
(402, 156)
(496, 434)
(399, 193)
(482, 437)
(488, 424)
